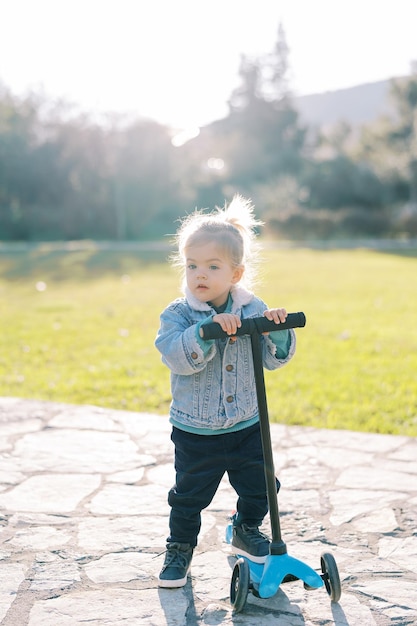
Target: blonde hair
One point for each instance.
(231, 228)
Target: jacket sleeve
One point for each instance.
(277, 353)
(178, 344)
(278, 347)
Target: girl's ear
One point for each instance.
(237, 274)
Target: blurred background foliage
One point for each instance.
(66, 176)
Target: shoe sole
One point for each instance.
(172, 584)
(256, 559)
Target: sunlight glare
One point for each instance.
(215, 163)
(185, 135)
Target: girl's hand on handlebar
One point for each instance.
(276, 315)
(229, 322)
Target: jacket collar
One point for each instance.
(240, 297)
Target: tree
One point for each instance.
(18, 121)
(265, 139)
(263, 78)
(404, 133)
(63, 176)
(140, 177)
(390, 144)
(275, 67)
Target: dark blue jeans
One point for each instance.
(200, 463)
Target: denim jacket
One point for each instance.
(212, 382)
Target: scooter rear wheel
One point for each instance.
(239, 586)
(331, 576)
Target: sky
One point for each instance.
(177, 61)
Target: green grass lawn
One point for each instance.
(78, 326)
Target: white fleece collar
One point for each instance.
(239, 294)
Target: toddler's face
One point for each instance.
(209, 273)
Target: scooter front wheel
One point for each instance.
(239, 586)
(331, 576)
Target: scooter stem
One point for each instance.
(277, 546)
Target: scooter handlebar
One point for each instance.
(254, 324)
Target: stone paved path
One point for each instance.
(84, 518)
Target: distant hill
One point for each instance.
(356, 105)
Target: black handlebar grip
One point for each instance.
(254, 324)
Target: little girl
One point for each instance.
(214, 411)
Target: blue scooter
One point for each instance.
(263, 580)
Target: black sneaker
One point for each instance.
(250, 542)
(176, 565)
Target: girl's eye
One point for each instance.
(191, 266)
(214, 267)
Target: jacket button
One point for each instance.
(229, 399)
(229, 368)
(194, 355)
